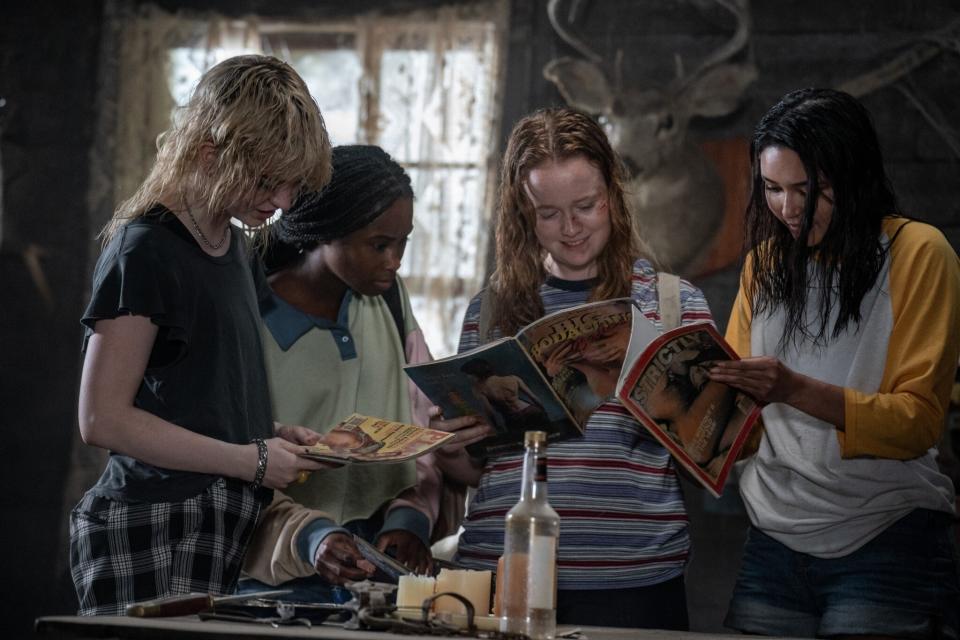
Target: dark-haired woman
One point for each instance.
(335, 344)
(849, 313)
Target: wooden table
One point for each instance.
(192, 628)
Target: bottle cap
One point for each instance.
(534, 437)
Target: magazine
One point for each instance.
(702, 423)
(550, 376)
(556, 371)
(362, 439)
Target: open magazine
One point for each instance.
(556, 371)
(362, 439)
(550, 376)
(664, 384)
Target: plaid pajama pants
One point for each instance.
(125, 552)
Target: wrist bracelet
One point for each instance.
(261, 463)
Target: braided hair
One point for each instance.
(366, 181)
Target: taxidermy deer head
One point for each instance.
(674, 192)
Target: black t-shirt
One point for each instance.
(206, 371)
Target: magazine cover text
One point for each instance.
(581, 353)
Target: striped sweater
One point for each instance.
(622, 519)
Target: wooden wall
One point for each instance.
(48, 64)
(796, 43)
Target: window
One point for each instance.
(423, 87)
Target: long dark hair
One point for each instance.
(834, 137)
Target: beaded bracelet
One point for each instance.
(261, 463)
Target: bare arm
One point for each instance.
(559, 358)
(769, 380)
(116, 359)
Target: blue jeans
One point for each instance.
(903, 583)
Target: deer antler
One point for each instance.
(934, 118)
(566, 35)
(895, 71)
(741, 11)
(648, 125)
(892, 71)
(716, 86)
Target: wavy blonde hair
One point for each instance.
(553, 135)
(265, 130)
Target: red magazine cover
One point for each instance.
(704, 424)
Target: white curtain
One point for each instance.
(434, 105)
(428, 86)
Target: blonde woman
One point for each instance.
(173, 381)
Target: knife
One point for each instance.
(191, 603)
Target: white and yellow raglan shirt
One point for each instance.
(827, 492)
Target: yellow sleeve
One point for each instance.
(738, 327)
(906, 416)
(738, 335)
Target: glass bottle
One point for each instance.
(531, 532)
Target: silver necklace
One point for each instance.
(196, 228)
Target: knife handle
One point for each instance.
(184, 605)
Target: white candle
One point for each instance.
(413, 590)
(472, 585)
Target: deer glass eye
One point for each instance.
(605, 123)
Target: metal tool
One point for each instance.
(191, 603)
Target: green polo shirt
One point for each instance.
(320, 372)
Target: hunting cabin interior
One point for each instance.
(86, 87)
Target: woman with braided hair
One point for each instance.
(338, 330)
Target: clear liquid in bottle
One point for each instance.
(531, 532)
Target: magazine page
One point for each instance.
(581, 352)
(642, 333)
(363, 439)
(498, 382)
(703, 423)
